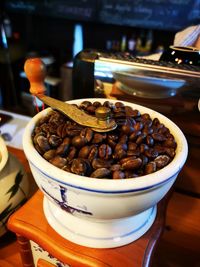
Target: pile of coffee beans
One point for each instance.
(138, 146)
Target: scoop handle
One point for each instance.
(35, 71)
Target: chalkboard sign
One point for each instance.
(71, 9)
(154, 14)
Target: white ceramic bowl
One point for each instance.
(14, 186)
(102, 213)
(3, 154)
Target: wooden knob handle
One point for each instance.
(35, 71)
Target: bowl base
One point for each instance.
(98, 233)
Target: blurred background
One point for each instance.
(57, 30)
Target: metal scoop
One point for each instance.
(35, 71)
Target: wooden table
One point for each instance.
(29, 223)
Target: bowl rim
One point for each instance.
(3, 153)
(109, 185)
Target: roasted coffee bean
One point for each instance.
(63, 148)
(158, 137)
(49, 154)
(118, 175)
(66, 131)
(145, 117)
(170, 152)
(169, 136)
(124, 160)
(134, 135)
(156, 121)
(140, 138)
(101, 163)
(67, 168)
(80, 167)
(138, 126)
(120, 114)
(113, 137)
(101, 173)
(131, 121)
(120, 146)
(56, 118)
(45, 128)
(87, 133)
(120, 121)
(96, 104)
(111, 143)
(79, 141)
(93, 154)
(164, 130)
(52, 128)
(84, 152)
(143, 147)
(132, 146)
(62, 130)
(154, 128)
(98, 138)
(118, 109)
(130, 112)
(148, 123)
(58, 161)
(44, 119)
(160, 149)
(73, 130)
(119, 105)
(72, 153)
(161, 161)
(35, 137)
(169, 143)
(123, 139)
(43, 143)
(105, 151)
(119, 151)
(149, 140)
(135, 152)
(136, 113)
(37, 130)
(108, 104)
(119, 154)
(59, 130)
(147, 130)
(112, 140)
(160, 126)
(127, 129)
(39, 150)
(85, 104)
(150, 167)
(91, 109)
(132, 164)
(151, 153)
(115, 167)
(144, 159)
(89, 167)
(54, 140)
